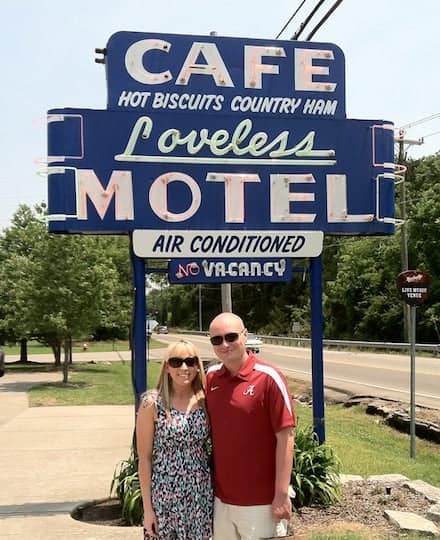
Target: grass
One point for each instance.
(33, 347)
(103, 383)
(366, 446)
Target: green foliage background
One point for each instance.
(56, 287)
(361, 299)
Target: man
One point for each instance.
(252, 417)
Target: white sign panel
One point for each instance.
(226, 244)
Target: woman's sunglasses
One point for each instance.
(229, 338)
(176, 362)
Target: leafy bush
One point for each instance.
(315, 474)
(315, 477)
(125, 485)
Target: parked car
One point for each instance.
(253, 343)
(161, 329)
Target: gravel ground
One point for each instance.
(362, 507)
(360, 510)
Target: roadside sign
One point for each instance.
(220, 133)
(296, 327)
(413, 286)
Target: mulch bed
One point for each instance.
(362, 507)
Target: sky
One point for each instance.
(47, 48)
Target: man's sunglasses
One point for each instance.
(176, 362)
(229, 338)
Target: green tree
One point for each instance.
(54, 288)
(424, 237)
(17, 246)
(362, 301)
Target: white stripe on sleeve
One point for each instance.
(269, 370)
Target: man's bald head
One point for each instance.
(227, 319)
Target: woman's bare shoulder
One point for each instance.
(149, 398)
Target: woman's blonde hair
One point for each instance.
(181, 349)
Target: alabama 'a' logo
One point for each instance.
(249, 390)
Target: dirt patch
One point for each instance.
(361, 508)
(100, 512)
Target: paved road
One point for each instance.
(365, 373)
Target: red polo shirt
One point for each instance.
(246, 412)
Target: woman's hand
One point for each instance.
(150, 523)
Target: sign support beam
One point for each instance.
(413, 383)
(317, 347)
(139, 340)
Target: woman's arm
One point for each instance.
(146, 417)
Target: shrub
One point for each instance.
(125, 485)
(315, 474)
(315, 477)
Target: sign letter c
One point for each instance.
(134, 61)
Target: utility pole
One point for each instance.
(226, 297)
(200, 307)
(401, 160)
(403, 231)
(225, 287)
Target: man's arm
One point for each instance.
(281, 504)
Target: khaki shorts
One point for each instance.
(233, 522)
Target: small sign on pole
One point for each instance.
(296, 327)
(413, 286)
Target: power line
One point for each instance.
(430, 134)
(322, 21)
(307, 20)
(421, 121)
(290, 19)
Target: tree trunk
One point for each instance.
(56, 349)
(67, 352)
(23, 350)
(130, 338)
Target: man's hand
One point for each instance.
(281, 507)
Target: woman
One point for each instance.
(172, 433)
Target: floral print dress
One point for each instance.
(181, 486)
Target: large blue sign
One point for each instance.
(214, 134)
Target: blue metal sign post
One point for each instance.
(317, 346)
(221, 150)
(139, 341)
